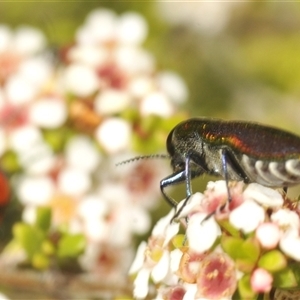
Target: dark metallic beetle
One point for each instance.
(235, 150)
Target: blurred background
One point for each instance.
(85, 85)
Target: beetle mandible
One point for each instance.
(234, 150)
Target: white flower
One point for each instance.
(90, 55)
(193, 202)
(111, 101)
(132, 28)
(173, 85)
(140, 86)
(114, 135)
(19, 91)
(82, 154)
(247, 216)
(80, 80)
(48, 112)
(100, 27)
(263, 195)
(202, 232)
(24, 138)
(290, 244)
(286, 218)
(28, 40)
(134, 60)
(74, 182)
(158, 104)
(35, 190)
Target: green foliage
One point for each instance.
(40, 248)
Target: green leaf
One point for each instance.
(231, 246)
(43, 218)
(285, 279)
(244, 252)
(273, 261)
(29, 237)
(71, 245)
(40, 261)
(244, 288)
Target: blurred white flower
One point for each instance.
(48, 112)
(114, 135)
(35, 190)
(173, 85)
(247, 216)
(111, 101)
(132, 28)
(80, 79)
(82, 154)
(28, 40)
(74, 182)
(157, 104)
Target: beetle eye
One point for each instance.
(170, 144)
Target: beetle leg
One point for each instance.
(225, 172)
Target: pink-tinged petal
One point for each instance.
(286, 218)
(217, 277)
(140, 284)
(261, 281)
(268, 235)
(3, 141)
(201, 233)
(189, 266)
(194, 201)
(290, 244)
(161, 269)
(247, 216)
(263, 195)
(138, 262)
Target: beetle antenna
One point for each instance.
(150, 156)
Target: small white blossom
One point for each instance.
(48, 113)
(263, 195)
(111, 101)
(114, 135)
(173, 85)
(132, 28)
(158, 104)
(202, 232)
(72, 181)
(35, 190)
(290, 244)
(82, 154)
(286, 218)
(247, 216)
(80, 80)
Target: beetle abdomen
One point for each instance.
(272, 173)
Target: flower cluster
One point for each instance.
(68, 121)
(229, 250)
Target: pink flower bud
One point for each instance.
(261, 281)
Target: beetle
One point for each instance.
(234, 150)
